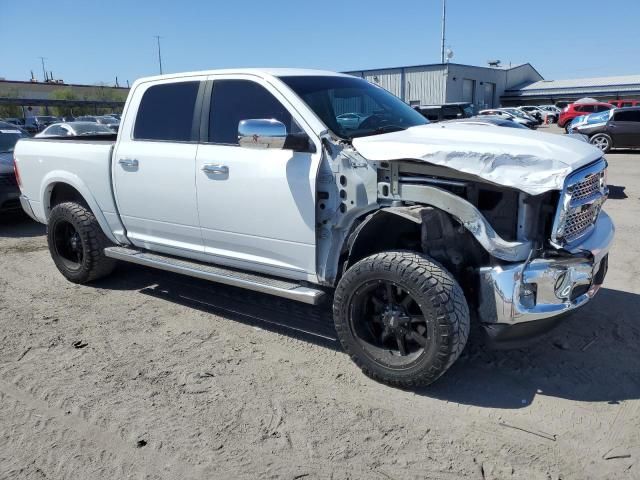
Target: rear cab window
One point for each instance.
(166, 112)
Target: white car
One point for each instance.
(541, 113)
(247, 178)
(75, 129)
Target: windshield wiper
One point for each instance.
(382, 129)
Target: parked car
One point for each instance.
(38, 123)
(523, 120)
(540, 113)
(446, 111)
(617, 128)
(625, 103)
(110, 122)
(493, 121)
(351, 121)
(75, 129)
(15, 121)
(407, 226)
(578, 109)
(9, 192)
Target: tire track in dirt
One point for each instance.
(86, 446)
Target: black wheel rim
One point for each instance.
(68, 245)
(389, 325)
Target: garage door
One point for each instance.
(468, 90)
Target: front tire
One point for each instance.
(77, 242)
(601, 141)
(401, 317)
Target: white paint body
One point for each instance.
(261, 216)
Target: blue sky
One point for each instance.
(89, 41)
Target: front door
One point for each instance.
(154, 168)
(257, 207)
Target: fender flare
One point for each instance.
(58, 176)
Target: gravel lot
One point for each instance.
(158, 376)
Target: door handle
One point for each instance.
(128, 162)
(215, 169)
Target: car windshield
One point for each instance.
(8, 138)
(109, 120)
(89, 128)
(468, 110)
(516, 112)
(375, 109)
(598, 117)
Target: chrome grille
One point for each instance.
(577, 223)
(580, 203)
(588, 187)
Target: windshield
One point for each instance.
(372, 110)
(9, 138)
(109, 120)
(516, 112)
(89, 128)
(598, 117)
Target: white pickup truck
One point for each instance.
(312, 185)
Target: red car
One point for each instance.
(576, 109)
(627, 102)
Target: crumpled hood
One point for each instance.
(6, 163)
(533, 162)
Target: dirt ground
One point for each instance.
(157, 376)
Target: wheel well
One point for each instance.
(383, 230)
(423, 229)
(63, 192)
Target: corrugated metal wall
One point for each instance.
(425, 85)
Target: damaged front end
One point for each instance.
(524, 255)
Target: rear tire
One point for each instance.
(401, 317)
(601, 141)
(77, 242)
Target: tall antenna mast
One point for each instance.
(158, 37)
(44, 70)
(444, 24)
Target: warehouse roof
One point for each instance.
(617, 84)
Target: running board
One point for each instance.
(227, 276)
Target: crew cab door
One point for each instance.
(154, 166)
(256, 206)
(625, 128)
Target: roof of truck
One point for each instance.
(263, 72)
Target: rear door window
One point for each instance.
(628, 116)
(166, 112)
(235, 100)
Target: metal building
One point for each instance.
(553, 91)
(451, 82)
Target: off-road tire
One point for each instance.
(434, 288)
(93, 241)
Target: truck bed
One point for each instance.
(82, 162)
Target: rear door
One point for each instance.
(257, 207)
(625, 128)
(154, 166)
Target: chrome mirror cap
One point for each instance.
(262, 133)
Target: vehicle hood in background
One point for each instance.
(532, 162)
(6, 163)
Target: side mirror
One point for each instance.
(269, 133)
(262, 133)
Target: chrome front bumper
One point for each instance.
(546, 288)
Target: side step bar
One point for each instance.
(213, 273)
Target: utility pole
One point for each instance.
(44, 70)
(444, 25)
(158, 37)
